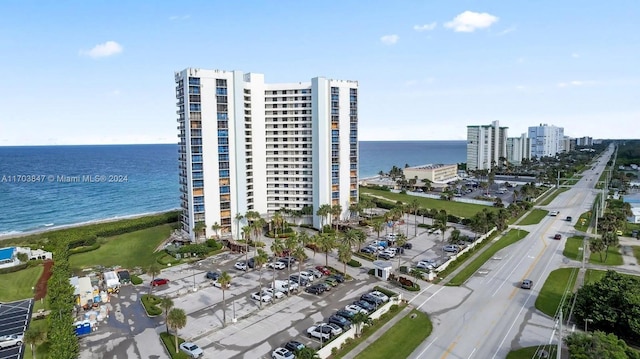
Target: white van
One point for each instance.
(285, 286)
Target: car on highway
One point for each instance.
(320, 332)
(569, 219)
(191, 349)
(294, 346)
(341, 321)
(282, 353)
(346, 314)
(354, 308)
(212, 275)
(159, 281)
(526, 284)
(379, 294)
(265, 298)
(242, 265)
(277, 265)
(554, 213)
(315, 289)
(451, 248)
(558, 236)
(7, 341)
(367, 297)
(270, 292)
(323, 270)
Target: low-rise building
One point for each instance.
(9, 255)
(438, 174)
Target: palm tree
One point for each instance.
(290, 243)
(327, 242)
(303, 238)
(322, 212)
(427, 184)
(400, 242)
(199, 228)
(358, 320)
(246, 234)
(455, 236)
(277, 247)
(238, 218)
(597, 245)
(350, 237)
(216, 227)
(414, 205)
(361, 238)
(177, 320)
(354, 209)
(378, 226)
(299, 254)
(225, 282)
(277, 221)
(153, 270)
(344, 255)
(166, 304)
(34, 336)
(260, 259)
(609, 239)
(336, 211)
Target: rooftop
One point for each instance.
(6, 253)
(429, 166)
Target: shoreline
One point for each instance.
(81, 224)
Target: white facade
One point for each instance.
(486, 144)
(546, 140)
(584, 141)
(518, 148)
(246, 145)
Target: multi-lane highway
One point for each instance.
(493, 314)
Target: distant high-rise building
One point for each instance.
(518, 148)
(584, 141)
(568, 144)
(486, 144)
(246, 145)
(546, 140)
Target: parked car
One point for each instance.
(159, 281)
(368, 250)
(287, 260)
(306, 275)
(315, 289)
(372, 299)
(273, 293)
(558, 236)
(365, 305)
(323, 270)
(7, 341)
(331, 281)
(294, 346)
(242, 265)
(526, 284)
(391, 253)
(342, 322)
(276, 265)
(191, 349)
(346, 314)
(316, 273)
(282, 353)
(451, 248)
(379, 294)
(261, 297)
(335, 329)
(320, 332)
(216, 283)
(338, 277)
(424, 265)
(354, 308)
(303, 282)
(384, 255)
(212, 275)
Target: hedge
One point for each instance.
(386, 292)
(150, 304)
(135, 280)
(16, 268)
(84, 249)
(354, 263)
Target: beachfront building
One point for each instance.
(439, 175)
(246, 145)
(518, 148)
(486, 146)
(9, 255)
(546, 140)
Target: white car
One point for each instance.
(7, 341)
(383, 297)
(240, 266)
(275, 294)
(320, 332)
(282, 353)
(191, 350)
(335, 329)
(261, 297)
(217, 284)
(306, 275)
(424, 265)
(389, 253)
(277, 265)
(356, 309)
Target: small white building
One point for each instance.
(9, 255)
(382, 269)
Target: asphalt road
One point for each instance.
(494, 314)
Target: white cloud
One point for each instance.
(575, 55)
(389, 39)
(506, 31)
(576, 83)
(425, 27)
(470, 21)
(109, 48)
(180, 17)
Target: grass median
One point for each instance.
(559, 282)
(18, 285)
(508, 239)
(402, 339)
(534, 217)
(573, 248)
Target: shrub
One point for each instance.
(84, 249)
(424, 225)
(415, 288)
(371, 271)
(19, 267)
(135, 280)
(34, 263)
(354, 263)
(394, 308)
(334, 350)
(385, 291)
(213, 244)
(150, 304)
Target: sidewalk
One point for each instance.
(377, 334)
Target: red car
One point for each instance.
(557, 236)
(159, 281)
(324, 270)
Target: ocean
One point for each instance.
(44, 187)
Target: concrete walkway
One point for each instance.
(377, 334)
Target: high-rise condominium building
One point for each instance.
(584, 141)
(546, 140)
(518, 148)
(246, 145)
(485, 146)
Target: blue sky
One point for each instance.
(85, 72)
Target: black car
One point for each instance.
(345, 314)
(252, 262)
(287, 260)
(365, 305)
(340, 321)
(315, 289)
(327, 287)
(371, 299)
(399, 250)
(367, 250)
(407, 246)
(338, 277)
(213, 275)
(303, 282)
(294, 346)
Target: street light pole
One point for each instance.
(587, 320)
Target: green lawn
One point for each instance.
(17, 285)
(553, 195)
(593, 275)
(42, 351)
(128, 250)
(530, 352)
(614, 257)
(402, 339)
(169, 342)
(636, 252)
(553, 289)
(508, 239)
(573, 248)
(582, 223)
(459, 209)
(534, 217)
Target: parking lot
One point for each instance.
(14, 318)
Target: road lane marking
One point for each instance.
(450, 348)
(472, 352)
(420, 293)
(432, 295)
(428, 346)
